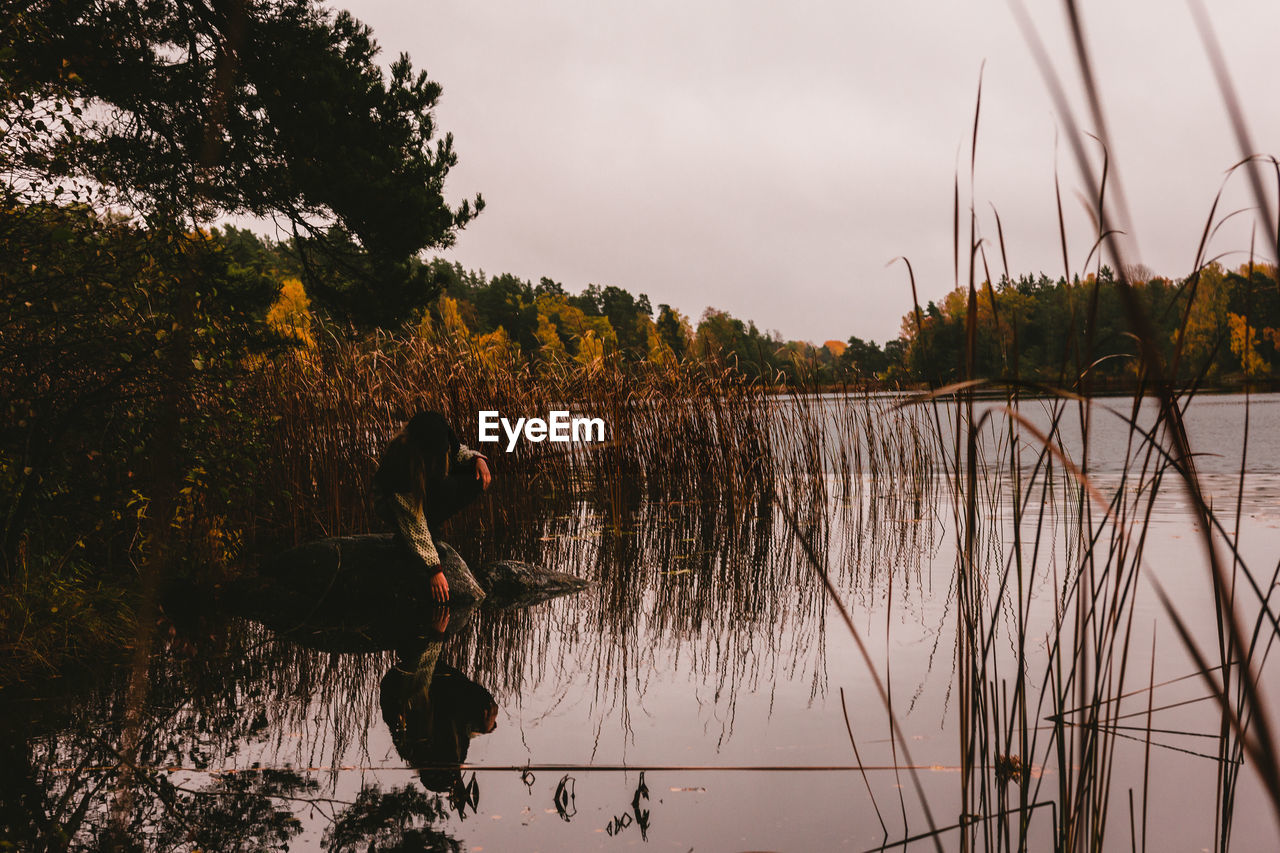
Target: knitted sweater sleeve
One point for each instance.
(412, 527)
(466, 454)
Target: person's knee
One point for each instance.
(461, 486)
(457, 490)
(472, 488)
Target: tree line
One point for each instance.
(1218, 327)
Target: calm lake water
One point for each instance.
(701, 695)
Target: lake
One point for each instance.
(706, 693)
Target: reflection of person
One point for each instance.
(433, 711)
(424, 477)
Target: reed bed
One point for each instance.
(674, 432)
(1052, 671)
(1066, 690)
(714, 567)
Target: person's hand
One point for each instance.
(440, 616)
(439, 587)
(482, 473)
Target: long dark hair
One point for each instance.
(418, 457)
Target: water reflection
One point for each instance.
(433, 711)
(702, 642)
(340, 733)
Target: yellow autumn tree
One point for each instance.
(495, 349)
(451, 321)
(572, 323)
(290, 315)
(1244, 344)
(552, 348)
(590, 349)
(1207, 317)
(659, 351)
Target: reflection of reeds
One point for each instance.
(674, 516)
(702, 581)
(720, 587)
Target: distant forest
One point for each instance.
(1220, 327)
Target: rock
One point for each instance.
(462, 584)
(514, 584)
(364, 583)
(364, 567)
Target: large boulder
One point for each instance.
(366, 589)
(463, 586)
(360, 567)
(510, 583)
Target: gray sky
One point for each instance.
(769, 159)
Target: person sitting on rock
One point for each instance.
(424, 477)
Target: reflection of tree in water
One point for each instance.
(398, 819)
(247, 811)
(62, 768)
(59, 784)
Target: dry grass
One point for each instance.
(675, 432)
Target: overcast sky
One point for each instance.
(769, 159)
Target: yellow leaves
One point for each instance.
(1244, 344)
(451, 321)
(549, 338)
(290, 316)
(659, 352)
(1208, 310)
(575, 324)
(495, 348)
(590, 349)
